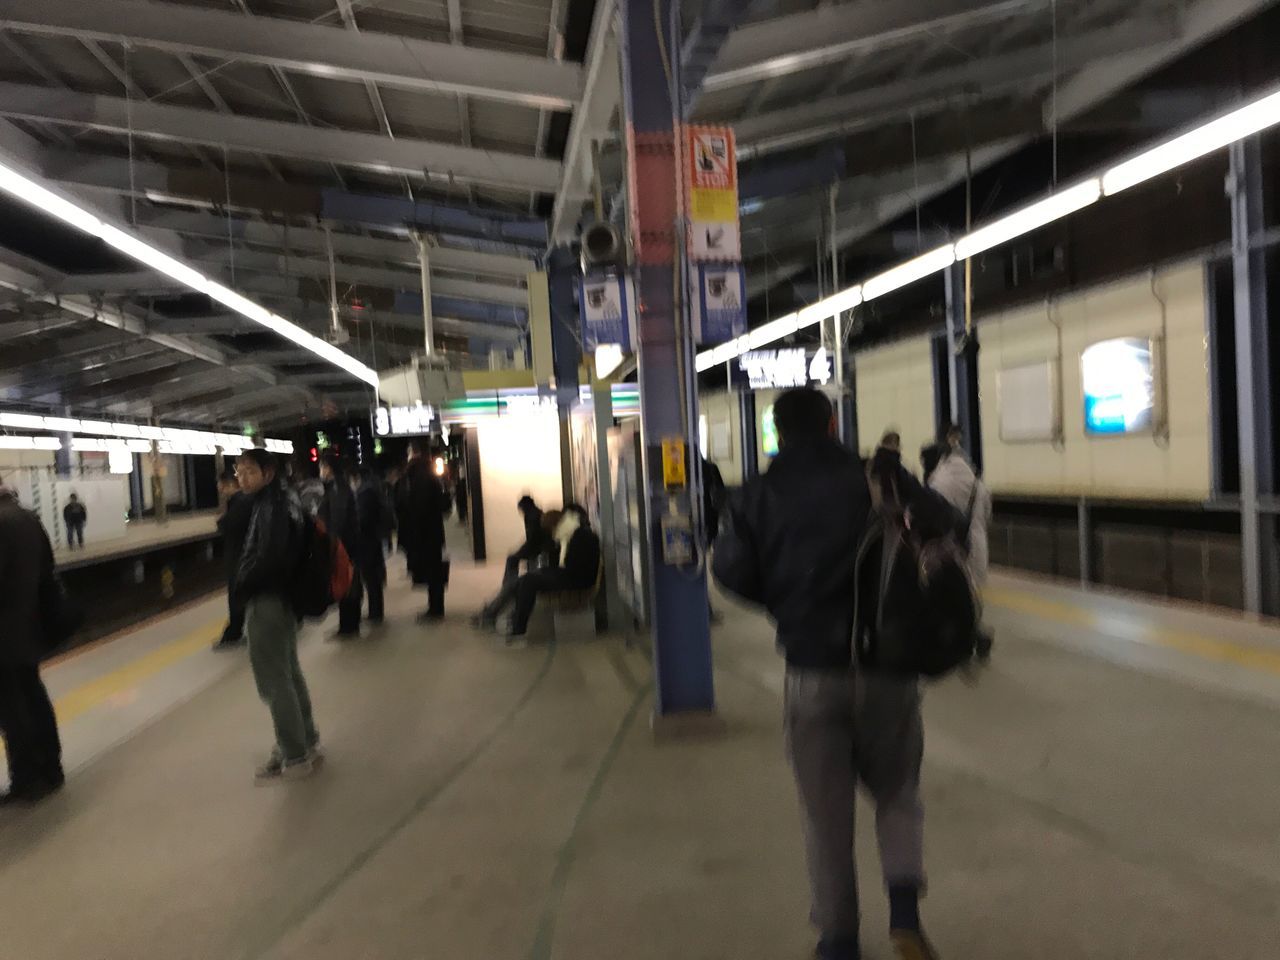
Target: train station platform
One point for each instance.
(1105, 789)
(140, 537)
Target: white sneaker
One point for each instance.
(298, 769)
(277, 769)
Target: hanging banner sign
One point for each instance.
(711, 171)
(721, 303)
(602, 303)
(782, 369)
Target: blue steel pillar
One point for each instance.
(650, 52)
(962, 352)
(1253, 376)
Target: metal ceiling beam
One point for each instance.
(364, 151)
(67, 383)
(1199, 21)
(831, 34)
(1027, 70)
(387, 278)
(220, 323)
(135, 282)
(143, 389)
(705, 40)
(591, 121)
(318, 50)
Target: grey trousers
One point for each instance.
(843, 727)
(272, 630)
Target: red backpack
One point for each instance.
(326, 574)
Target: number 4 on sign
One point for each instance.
(820, 367)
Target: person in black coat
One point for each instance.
(421, 505)
(233, 525)
(341, 518)
(75, 516)
(536, 540)
(372, 509)
(791, 545)
(27, 720)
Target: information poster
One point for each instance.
(721, 303)
(603, 307)
(712, 194)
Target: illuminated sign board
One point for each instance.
(1119, 386)
(412, 421)
(782, 369)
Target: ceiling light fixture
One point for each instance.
(29, 191)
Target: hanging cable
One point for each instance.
(1053, 101)
(231, 240)
(128, 106)
(915, 177)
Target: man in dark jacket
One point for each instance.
(420, 506)
(233, 525)
(372, 509)
(27, 720)
(535, 539)
(341, 518)
(75, 516)
(266, 578)
(791, 547)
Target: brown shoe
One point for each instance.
(912, 945)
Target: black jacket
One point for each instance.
(74, 514)
(372, 510)
(272, 554)
(791, 546)
(339, 515)
(536, 540)
(234, 527)
(26, 561)
(582, 559)
(420, 507)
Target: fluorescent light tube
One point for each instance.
(1205, 138)
(774, 330)
(1029, 218)
(28, 191)
(157, 260)
(909, 272)
(22, 421)
(61, 424)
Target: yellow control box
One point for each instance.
(675, 471)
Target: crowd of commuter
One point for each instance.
(869, 594)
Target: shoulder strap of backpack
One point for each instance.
(968, 512)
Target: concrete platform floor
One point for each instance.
(1084, 801)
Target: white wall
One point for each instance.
(1141, 466)
(107, 501)
(519, 454)
(724, 415)
(174, 481)
(895, 392)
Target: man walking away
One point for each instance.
(265, 580)
(371, 507)
(75, 516)
(27, 721)
(233, 525)
(421, 506)
(791, 546)
(341, 518)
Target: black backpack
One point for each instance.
(915, 610)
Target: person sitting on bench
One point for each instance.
(577, 569)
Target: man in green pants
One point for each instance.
(267, 572)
